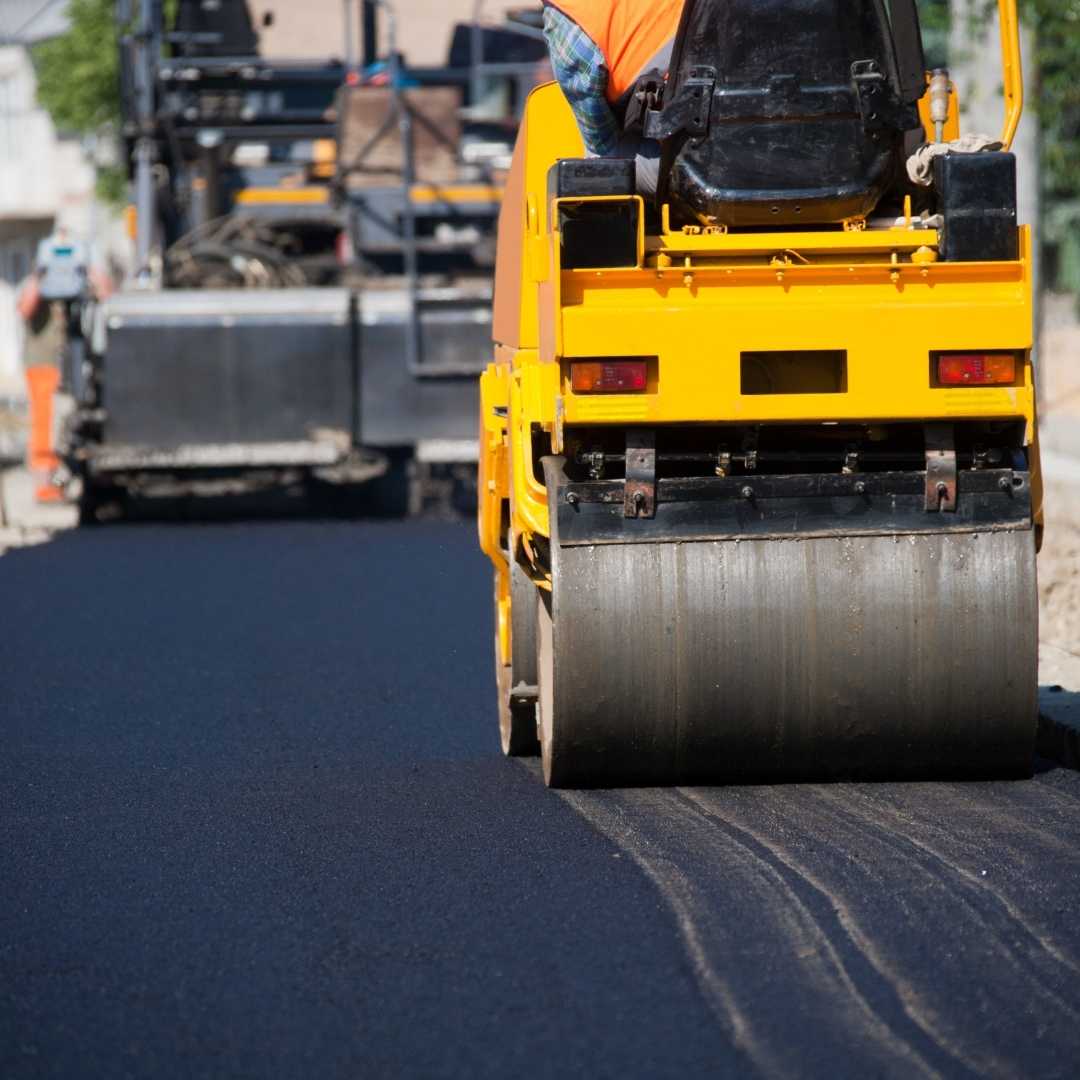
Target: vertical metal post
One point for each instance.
(476, 55)
(370, 19)
(350, 36)
(408, 176)
(211, 170)
(147, 42)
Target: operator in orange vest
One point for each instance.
(599, 49)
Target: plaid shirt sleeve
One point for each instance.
(581, 72)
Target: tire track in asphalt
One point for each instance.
(1067, 796)
(988, 821)
(979, 881)
(1015, 943)
(921, 1030)
(678, 893)
(846, 982)
(818, 987)
(1006, 808)
(964, 982)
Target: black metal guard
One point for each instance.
(774, 507)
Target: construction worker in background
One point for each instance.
(599, 49)
(49, 305)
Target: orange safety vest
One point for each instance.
(630, 34)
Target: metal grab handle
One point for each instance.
(1012, 71)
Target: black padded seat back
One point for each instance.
(787, 112)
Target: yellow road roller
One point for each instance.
(759, 469)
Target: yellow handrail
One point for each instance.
(1012, 73)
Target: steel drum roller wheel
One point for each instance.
(828, 658)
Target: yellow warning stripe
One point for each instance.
(309, 196)
(456, 193)
(421, 193)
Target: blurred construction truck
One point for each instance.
(314, 241)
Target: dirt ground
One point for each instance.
(1059, 563)
(1059, 569)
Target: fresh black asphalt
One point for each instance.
(254, 822)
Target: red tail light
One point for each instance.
(343, 248)
(976, 369)
(609, 376)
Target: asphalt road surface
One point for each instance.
(254, 822)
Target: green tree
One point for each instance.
(78, 77)
(934, 16)
(78, 72)
(1056, 24)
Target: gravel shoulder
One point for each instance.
(1059, 570)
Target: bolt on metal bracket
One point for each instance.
(940, 468)
(639, 498)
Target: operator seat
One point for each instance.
(787, 112)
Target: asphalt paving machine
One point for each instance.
(314, 239)
(759, 467)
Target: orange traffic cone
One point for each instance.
(43, 381)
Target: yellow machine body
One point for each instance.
(693, 304)
(696, 301)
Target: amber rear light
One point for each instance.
(609, 376)
(976, 369)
